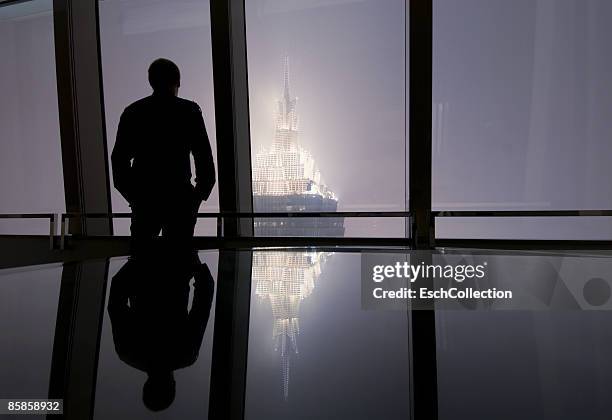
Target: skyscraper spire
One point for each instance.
(286, 178)
(286, 115)
(286, 94)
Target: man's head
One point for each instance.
(159, 391)
(164, 76)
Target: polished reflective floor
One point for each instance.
(313, 352)
(283, 333)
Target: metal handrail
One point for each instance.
(53, 217)
(235, 215)
(357, 214)
(255, 215)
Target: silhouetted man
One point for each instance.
(151, 159)
(153, 328)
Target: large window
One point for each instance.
(134, 33)
(31, 179)
(521, 117)
(327, 107)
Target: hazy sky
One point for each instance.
(31, 178)
(525, 93)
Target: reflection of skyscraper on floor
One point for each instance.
(286, 179)
(284, 279)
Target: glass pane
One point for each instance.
(522, 99)
(544, 228)
(28, 310)
(133, 33)
(539, 376)
(31, 178)
(530, 364)
(327, 107)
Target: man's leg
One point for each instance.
(178, 227)
(145, 226)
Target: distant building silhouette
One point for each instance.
(286, 179)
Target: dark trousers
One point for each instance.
(173, 215)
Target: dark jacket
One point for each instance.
(155, 138)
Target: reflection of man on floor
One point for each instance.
(153, 329)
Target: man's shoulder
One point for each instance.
(145, 105)
(189, 105)
(137, 105)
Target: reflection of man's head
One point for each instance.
(159, 391)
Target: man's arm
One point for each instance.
(203, 159)
(197, 318)
(121, 158)
(119, 310)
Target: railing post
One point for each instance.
(219, 226)
(63, 232)
(52, 230)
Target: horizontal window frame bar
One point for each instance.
(524, 244)
(52, 217)
(221, 219)
(255, 215)
(27, 216)
(523, 213)
(348, 214)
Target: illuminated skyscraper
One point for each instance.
(284, 279)
(287, 179)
